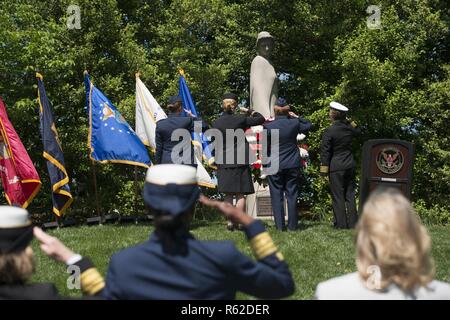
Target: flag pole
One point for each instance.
(96, 191)
(136, 191)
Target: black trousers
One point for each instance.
(284, 183)
(342, 186)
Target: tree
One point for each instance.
(395, 79)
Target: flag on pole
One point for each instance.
(188, 103)
(61, 196)
(111, 138)
(148, 112)
(203, 177)
(20, 179)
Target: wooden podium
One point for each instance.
(386, 163)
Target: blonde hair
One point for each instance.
(390, 236)
(16, 267)
(282, 111)
(228, 105)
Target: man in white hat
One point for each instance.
(17, 259)
(338, 165)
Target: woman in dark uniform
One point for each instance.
(164, 130)
(17, 260)
(234, 174)
(338, 165)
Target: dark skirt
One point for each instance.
(235, 180)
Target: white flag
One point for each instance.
(148, 112)
(203, 177)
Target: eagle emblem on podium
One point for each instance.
(390, 160)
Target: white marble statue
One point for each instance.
(263, 78)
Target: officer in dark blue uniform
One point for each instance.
(284, 182)
(17, 261)
(165, 143)
(172, 264)
(338, 165)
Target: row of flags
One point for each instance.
(111, 140)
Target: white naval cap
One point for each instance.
(13, 217)
(164, 174)
(263, 35)
(337, 106)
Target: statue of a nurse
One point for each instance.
(263, 79)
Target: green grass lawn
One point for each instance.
(315, 253)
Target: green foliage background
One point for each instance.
(395, 79)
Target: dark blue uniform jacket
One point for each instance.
(163, 138)
(336, 148)
(202, 270)
(288, 128)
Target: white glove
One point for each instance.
(257, 129)
(304, 153)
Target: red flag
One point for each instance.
(19, 177)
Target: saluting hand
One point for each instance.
(243, 109)
(292, 114)
(230, 212)
(189, 113)
(52, 247)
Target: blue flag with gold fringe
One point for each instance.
(111, 138)
(61, 196)
(189, 104)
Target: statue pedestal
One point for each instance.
(259, 204)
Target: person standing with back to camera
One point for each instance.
(338, 165)
(165, 129)
(234, 176)
(283, 183)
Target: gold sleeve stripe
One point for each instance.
(353, 124)
(323, 169)
(265, 250)
(263, 246)
(91, 281)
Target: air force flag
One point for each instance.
(111, 139)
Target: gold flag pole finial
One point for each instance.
(181, 71)
(138, 74)
(85, 72)
(38, 75)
